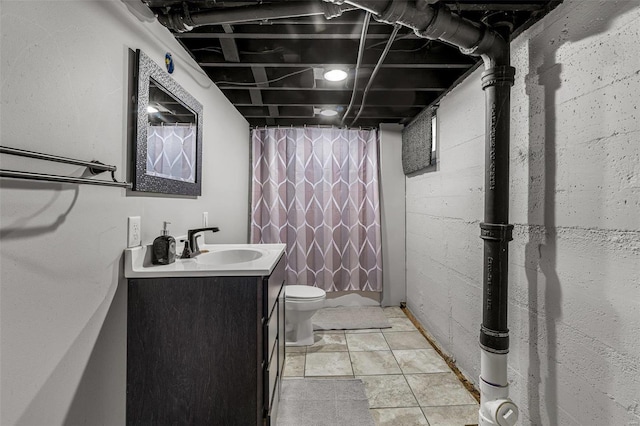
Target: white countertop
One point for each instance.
(137, 262)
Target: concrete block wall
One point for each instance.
(574, 303)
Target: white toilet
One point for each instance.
(301, 302)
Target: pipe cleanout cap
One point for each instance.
(501, 412)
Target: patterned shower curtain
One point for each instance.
(316, 189)
(171, 152)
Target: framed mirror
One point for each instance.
(167, 152)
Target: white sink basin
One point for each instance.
(214, 260)
(227, 257)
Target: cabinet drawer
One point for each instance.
(281, 332)
(270, 334)
(272, 287)
(270, 381)
(272, 413)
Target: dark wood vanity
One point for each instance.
(205, 350)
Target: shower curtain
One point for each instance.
(316, 189)
(171, 152)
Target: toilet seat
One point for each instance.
(303, 293)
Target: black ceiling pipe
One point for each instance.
(439, 23)
(181, 20)
(495, 230)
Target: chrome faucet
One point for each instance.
(191, 248)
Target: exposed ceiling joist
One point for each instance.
(271, 70)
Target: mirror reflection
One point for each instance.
(171, 136)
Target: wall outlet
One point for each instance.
(205, 219)
(134, 233)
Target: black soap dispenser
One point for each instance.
(164, 248)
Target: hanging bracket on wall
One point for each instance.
(94, 167)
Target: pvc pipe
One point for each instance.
(495, 406)
(493, 368)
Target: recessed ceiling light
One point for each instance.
(329, 112)
(151, 109)
(335, 75)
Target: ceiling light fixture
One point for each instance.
(335, 75)
(329, 112)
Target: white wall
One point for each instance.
(392, 203)
(574, 310)
(63, 297)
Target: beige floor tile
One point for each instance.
(393, 312)
(401, 324)
(406, 381)
(406, 340)
(439, 389)
(328, 342)
(374, 363)
(328, 364)
(388, 391)
(414, 361)
(408, 416)
(367, 342)
(294, 364)
(452, 415)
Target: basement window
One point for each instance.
(420, 144)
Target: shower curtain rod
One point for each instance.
(94, 168)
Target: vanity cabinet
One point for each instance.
(205, 350)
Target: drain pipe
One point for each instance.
(430, 21)
(496, 407)
(433, 22)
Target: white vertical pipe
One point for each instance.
(493, 368)
(496, 409)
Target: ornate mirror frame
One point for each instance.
(148, 71)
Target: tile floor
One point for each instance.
(406, 381)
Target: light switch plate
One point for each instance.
(133, 234)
